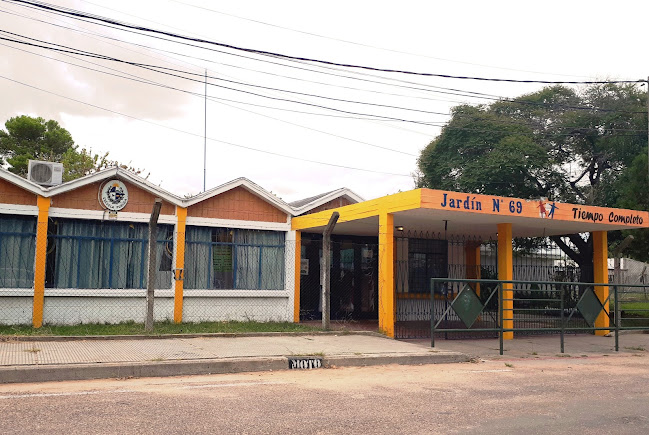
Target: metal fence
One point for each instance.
(422, 256)
(497, 308)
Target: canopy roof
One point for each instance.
(465, 214)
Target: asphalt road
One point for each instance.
(576, 395)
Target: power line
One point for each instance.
(213, 99)
(78, 14)
(219, 100)
(457, 92)
(200, 135)
(153, 68)
(342, 40)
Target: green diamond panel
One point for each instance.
(589, 306)
(467, 306)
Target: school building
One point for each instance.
(77, 252)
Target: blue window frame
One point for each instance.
(112, 255)
(224, 258)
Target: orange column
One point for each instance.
(179, 273)
(506, 273)
(40, 261)
(387, 303)
(298, 263)
(472, 255)
(600, 266)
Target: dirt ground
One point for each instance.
(549, 394)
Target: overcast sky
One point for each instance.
(160, 129)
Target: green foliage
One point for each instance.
(551, 143)
(30, 138)
(634, 194)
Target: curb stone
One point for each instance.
(70, 372)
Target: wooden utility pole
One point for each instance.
(325, 271)
(150, 284)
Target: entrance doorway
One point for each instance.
(354, 278)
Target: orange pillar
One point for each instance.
(40, 261)
(600, 266)
(472, 255)
(298, 264)
(179, 273)
(387, 303)
(506, 273)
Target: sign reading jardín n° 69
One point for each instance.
(540, 208)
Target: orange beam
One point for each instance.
(387, 295)
(506, 273)
(40, 261)
(179, 284)
(298, 262)
(600, 265)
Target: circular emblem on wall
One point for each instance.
(114, 195)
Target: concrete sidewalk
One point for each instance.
(58, 359)
(546, 346)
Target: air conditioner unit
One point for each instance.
(45, 173)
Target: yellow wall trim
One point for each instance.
(392, 203)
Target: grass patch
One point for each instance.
(638, 348)
(167, 327)
(632, 308)
(509, 365)
(33, 349)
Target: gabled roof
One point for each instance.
(295, 208)
(21, 182)
(304, 205)
(114, 173)
(246, 184)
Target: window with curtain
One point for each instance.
(224, 258)
(17, 250)
(105, 255)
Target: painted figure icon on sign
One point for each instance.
(541, 207)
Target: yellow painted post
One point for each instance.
(600, 266)
(506, 273)
(40, 261)
(179, 273)
(387, 305)
(472, 254)
(298, 262)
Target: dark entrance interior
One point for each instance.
(354, 278)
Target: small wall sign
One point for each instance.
(114, 195)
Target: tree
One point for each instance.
(559, 143)
(634, 188)
(30, 138)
